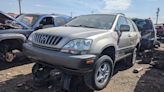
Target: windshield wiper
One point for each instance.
(72, 25)
(86, 26)
(80, 26)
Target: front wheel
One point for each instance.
(6, 53)
(101, 74)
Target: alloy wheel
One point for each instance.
(102, 74)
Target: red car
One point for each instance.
(160, 30)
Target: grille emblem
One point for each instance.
(43, 38)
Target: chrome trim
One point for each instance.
(46, 40)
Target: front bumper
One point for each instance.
(57, 59)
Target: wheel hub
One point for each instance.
(9, 56)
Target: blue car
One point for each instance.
(38, 21)
(13, 32)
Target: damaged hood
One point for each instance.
(4, 17)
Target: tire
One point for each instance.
(131, 60)
(41, 75)
(102, 73)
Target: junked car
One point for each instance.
(39, 21)
(160, 31)
(13, 32)
(87, 47)
(148, 34)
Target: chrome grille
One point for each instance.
(46, 39)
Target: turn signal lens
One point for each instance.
(90, 61)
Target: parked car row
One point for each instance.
(87, 47)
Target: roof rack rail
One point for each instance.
(55, 14)
(121, 14)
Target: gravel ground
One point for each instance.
(17, 77)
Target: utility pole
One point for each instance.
(19, 2)
(158, 10)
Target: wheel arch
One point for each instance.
(13, 43)
(107, 51)
(13, 40)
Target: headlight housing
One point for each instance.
(77, 46)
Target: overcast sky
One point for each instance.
(131, 8)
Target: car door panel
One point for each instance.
(124, 38)
(133, 34)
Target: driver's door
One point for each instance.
(124, 39)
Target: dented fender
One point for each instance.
(10, 36)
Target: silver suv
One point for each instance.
(88, 46)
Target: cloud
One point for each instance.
(112, 5)
(40, 5)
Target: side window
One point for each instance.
(121, 21)
(47, 21)
(59, 21)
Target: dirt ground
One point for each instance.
(17, 77)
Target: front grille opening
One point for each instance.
(45, 39)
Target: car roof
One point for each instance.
(114, 14)
(141, 19)
(53, 15)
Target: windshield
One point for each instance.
(99, 21)
(143, 24)
(29, 20)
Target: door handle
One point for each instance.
(129, 35)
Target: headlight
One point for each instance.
(77, 46)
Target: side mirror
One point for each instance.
(124, 28)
